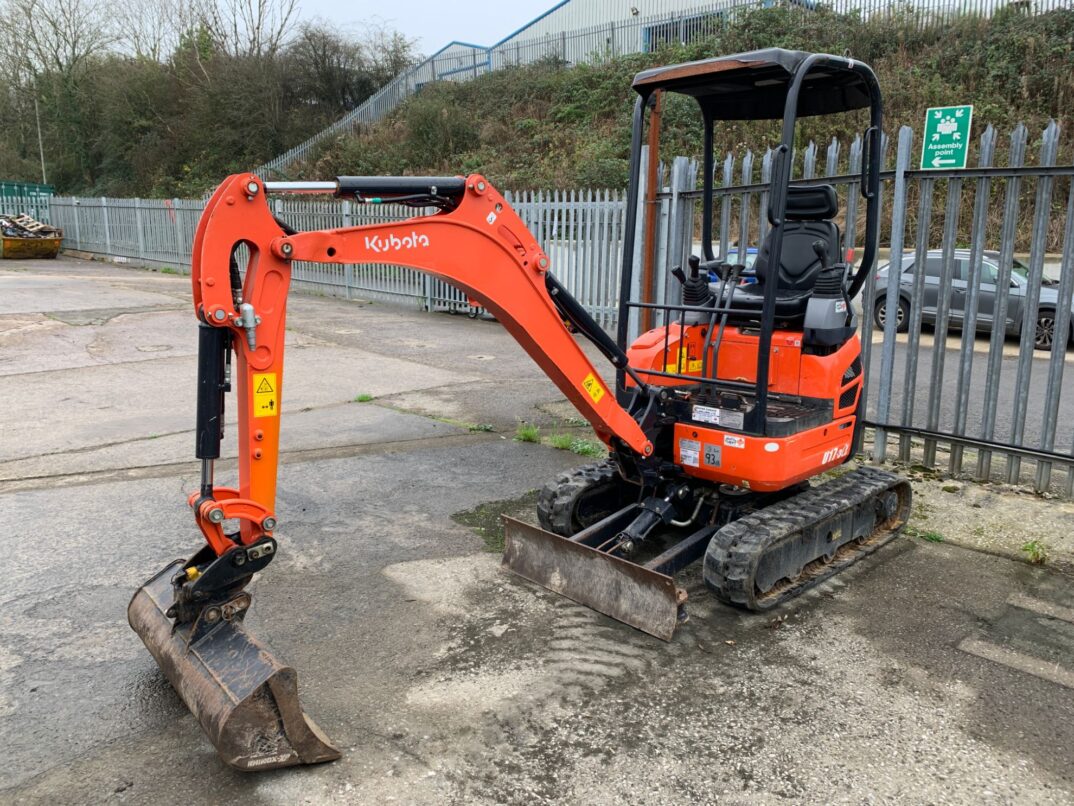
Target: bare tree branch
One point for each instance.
(152, 29)
(60, 35)
(250, 27)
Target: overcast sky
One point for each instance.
(433, 23)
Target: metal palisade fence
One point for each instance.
(985, 289)
(946, 384)
(972, 371)
(582, 234)
(581, 231)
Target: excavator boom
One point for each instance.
(190, 615)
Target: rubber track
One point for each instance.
(736, 549)
(556, 501)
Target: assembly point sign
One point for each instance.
(947, 138)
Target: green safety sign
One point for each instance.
(947, 138)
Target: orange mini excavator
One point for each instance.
(729, 400)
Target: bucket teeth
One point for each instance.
(245, 700)
(631, 593)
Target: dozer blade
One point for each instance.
(246, 701)
(628, 592)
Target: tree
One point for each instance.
(387, 53)
(248, 27)
(55, 41)
(166, 96)
(59, 35)
(152, 29)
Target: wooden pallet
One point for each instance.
(31, 224)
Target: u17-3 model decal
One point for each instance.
(832, 454)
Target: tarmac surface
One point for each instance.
(927, 674)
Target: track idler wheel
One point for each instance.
(245, 700)
(583, 496)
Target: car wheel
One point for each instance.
(1044, 333)
(902, 318)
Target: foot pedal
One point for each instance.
(244, 699)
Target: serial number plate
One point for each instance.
(690, 452)
(725, 417)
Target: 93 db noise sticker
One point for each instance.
(266, 395)
(712, 455)
(693, 451)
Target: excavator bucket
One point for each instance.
(635, 594)
(246, 701)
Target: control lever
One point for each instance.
(695, 290)
(822, 255)
(725, 271)
(694, 262)
(821, 251)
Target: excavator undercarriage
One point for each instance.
(759, 549)
(728, 402)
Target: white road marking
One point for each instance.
(1052, 672)
(1042, 607)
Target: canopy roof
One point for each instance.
(753, 86)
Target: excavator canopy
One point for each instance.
(754, 85)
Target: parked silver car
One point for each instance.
(1044, 335)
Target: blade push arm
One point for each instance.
(478, 243)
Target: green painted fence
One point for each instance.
(25, 197)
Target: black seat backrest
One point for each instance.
(808, 220)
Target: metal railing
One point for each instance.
(943, 385)
(1016, 406)
(580, 230)
(574, 43)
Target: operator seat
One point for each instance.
(809, 215)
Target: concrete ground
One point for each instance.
(929, 674)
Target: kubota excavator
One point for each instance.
(731, 399)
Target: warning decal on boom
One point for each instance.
(593, 387)
(266, 401)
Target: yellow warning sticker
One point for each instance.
(594, 387)
(693, 365)
(684, 364)
(266, 397)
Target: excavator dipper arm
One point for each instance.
(190, 615)
(481, 247)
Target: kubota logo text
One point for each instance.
(393, 243)
(832, 454)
